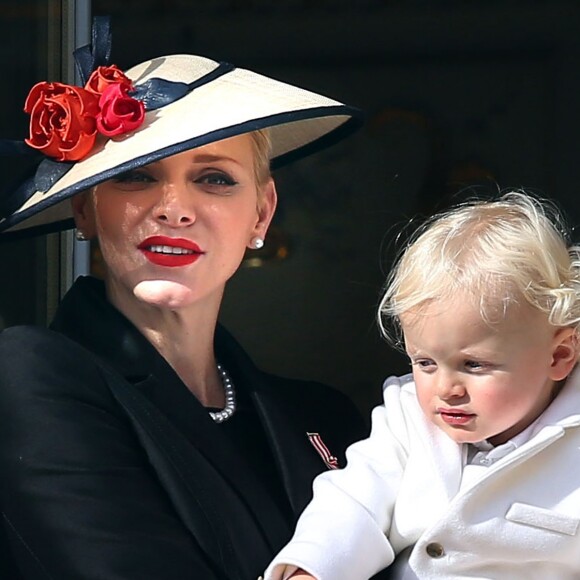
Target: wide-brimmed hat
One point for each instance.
(119, 121)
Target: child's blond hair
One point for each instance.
(500, 252)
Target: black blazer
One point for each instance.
(110, 469)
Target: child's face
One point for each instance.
(478, 381)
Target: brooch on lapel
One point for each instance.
(329, 460)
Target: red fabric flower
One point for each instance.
(120, 113)
(65, 119)
(62, 120)
(105, 76)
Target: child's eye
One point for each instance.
(424, 364)
(475, 365)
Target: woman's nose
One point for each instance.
(175, 207)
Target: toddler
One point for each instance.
(472, 467)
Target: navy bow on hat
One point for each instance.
(154, 93)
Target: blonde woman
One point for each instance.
(137, 438)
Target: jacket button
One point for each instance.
(435, 550)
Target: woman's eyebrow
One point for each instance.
(209, 158)
(201, 158)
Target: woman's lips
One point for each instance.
(455, 417)
(170, 252)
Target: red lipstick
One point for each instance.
(170, 252)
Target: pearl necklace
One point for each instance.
(230, 393)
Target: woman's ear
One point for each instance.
(84, 214)
(564, 353)
(266, 208)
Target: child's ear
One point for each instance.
(564, 353)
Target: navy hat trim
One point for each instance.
(348, 127)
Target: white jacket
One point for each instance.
(400, 490)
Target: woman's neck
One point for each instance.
(185, 339)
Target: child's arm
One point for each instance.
(342, 533)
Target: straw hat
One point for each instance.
(158, 108)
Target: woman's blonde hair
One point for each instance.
(510, 250)
(262, 145)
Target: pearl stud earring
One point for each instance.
(257, 243)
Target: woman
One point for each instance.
(137, 439)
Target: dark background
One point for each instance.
(461, 98)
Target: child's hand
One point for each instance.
(301, 575)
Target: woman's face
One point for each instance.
(173, 232)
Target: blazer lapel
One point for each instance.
(169, 395)
(284, 419)
(295, 457)
(309, 426)
(207, 504)
(289, 410)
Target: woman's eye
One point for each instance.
(217, 179)
(134, 176)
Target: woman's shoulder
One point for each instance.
(15, 335)
(21, 344)
(318, 403)
(38, 362)
(302, 390)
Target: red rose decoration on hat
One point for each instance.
(105, 76)
(120, 113)
(62, 120)
(65, 120)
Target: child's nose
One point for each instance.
(450, 386)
